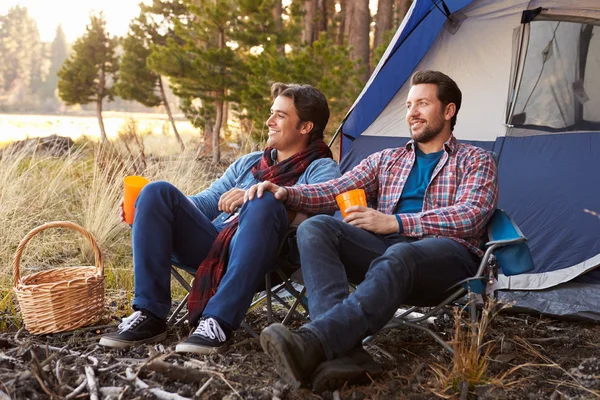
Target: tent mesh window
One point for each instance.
(560, 86)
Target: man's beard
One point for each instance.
(429, 133)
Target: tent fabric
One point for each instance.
(531, 94)
(568, 301)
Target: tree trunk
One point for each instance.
(216, 150)
(100, 121)
(383, 20)
(99, 97)
(309, 29)
(402, 7)
(341, 34)
(349, 6)
(358, 37)
(277, 11)
(322, 15)
(166, 104)
(220, 95)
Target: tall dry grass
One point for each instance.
(84, 187)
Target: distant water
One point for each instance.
(15, 127)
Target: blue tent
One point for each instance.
(530, 76)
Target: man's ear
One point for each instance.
(450, 111)
(307, 127)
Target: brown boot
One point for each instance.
(357, 367)
(296, 354)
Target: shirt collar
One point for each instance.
(449, 145)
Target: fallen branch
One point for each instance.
(92, 386)
(77, 390)
(177, 372)
(204, 387)
(160, 394)
(111, 391)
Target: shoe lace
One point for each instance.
(211, 329)
(131, 321)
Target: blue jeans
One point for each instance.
(168, 226)
(391, 270)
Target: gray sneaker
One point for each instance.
(139, 328)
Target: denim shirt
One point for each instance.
(239, 175)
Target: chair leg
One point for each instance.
(248, 329)
(269, 300)
(294, 306)
(178, 309)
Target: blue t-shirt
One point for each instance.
(411, 200)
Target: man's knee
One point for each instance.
(263, 209)
(315, 227)
(154, 191)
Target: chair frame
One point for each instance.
(271, 292)
(486, 273)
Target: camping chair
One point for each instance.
(286, 275)
(506, 248)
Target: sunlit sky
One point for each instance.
(74, 15)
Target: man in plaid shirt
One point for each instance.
(434, 198)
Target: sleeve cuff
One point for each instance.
(400, 226)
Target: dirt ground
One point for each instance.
(531, 357)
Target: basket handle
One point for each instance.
(56, 224)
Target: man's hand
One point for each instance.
(121, 210)
(371, 220)
(257, 191)
(231, 199)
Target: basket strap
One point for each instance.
(55, 224)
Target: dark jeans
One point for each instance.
(168, 226)
(391, 270)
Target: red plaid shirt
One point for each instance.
(459, 200)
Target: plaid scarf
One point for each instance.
(212, 269)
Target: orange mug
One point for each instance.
(354, 197)
(131, 189)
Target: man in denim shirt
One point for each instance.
(170, 226)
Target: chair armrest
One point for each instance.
(508, 243)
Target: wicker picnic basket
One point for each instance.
(60, 299)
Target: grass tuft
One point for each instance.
(85, 187)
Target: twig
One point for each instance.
(194, 364)
(94, 360)
(204, 387)
(111, 367)
(39, 375)
(122, 395)
(548, 339)
(77, 390)
(160, 394)
(17, 335)
(111, 391)
(91, 382)
(57, 372)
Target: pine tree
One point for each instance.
(89, 74)
(59, 51)
(136, 81)
(203, 66)
(20, 59)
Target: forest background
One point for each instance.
(208, 62)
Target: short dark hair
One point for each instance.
(310, 103)
(447, 90)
